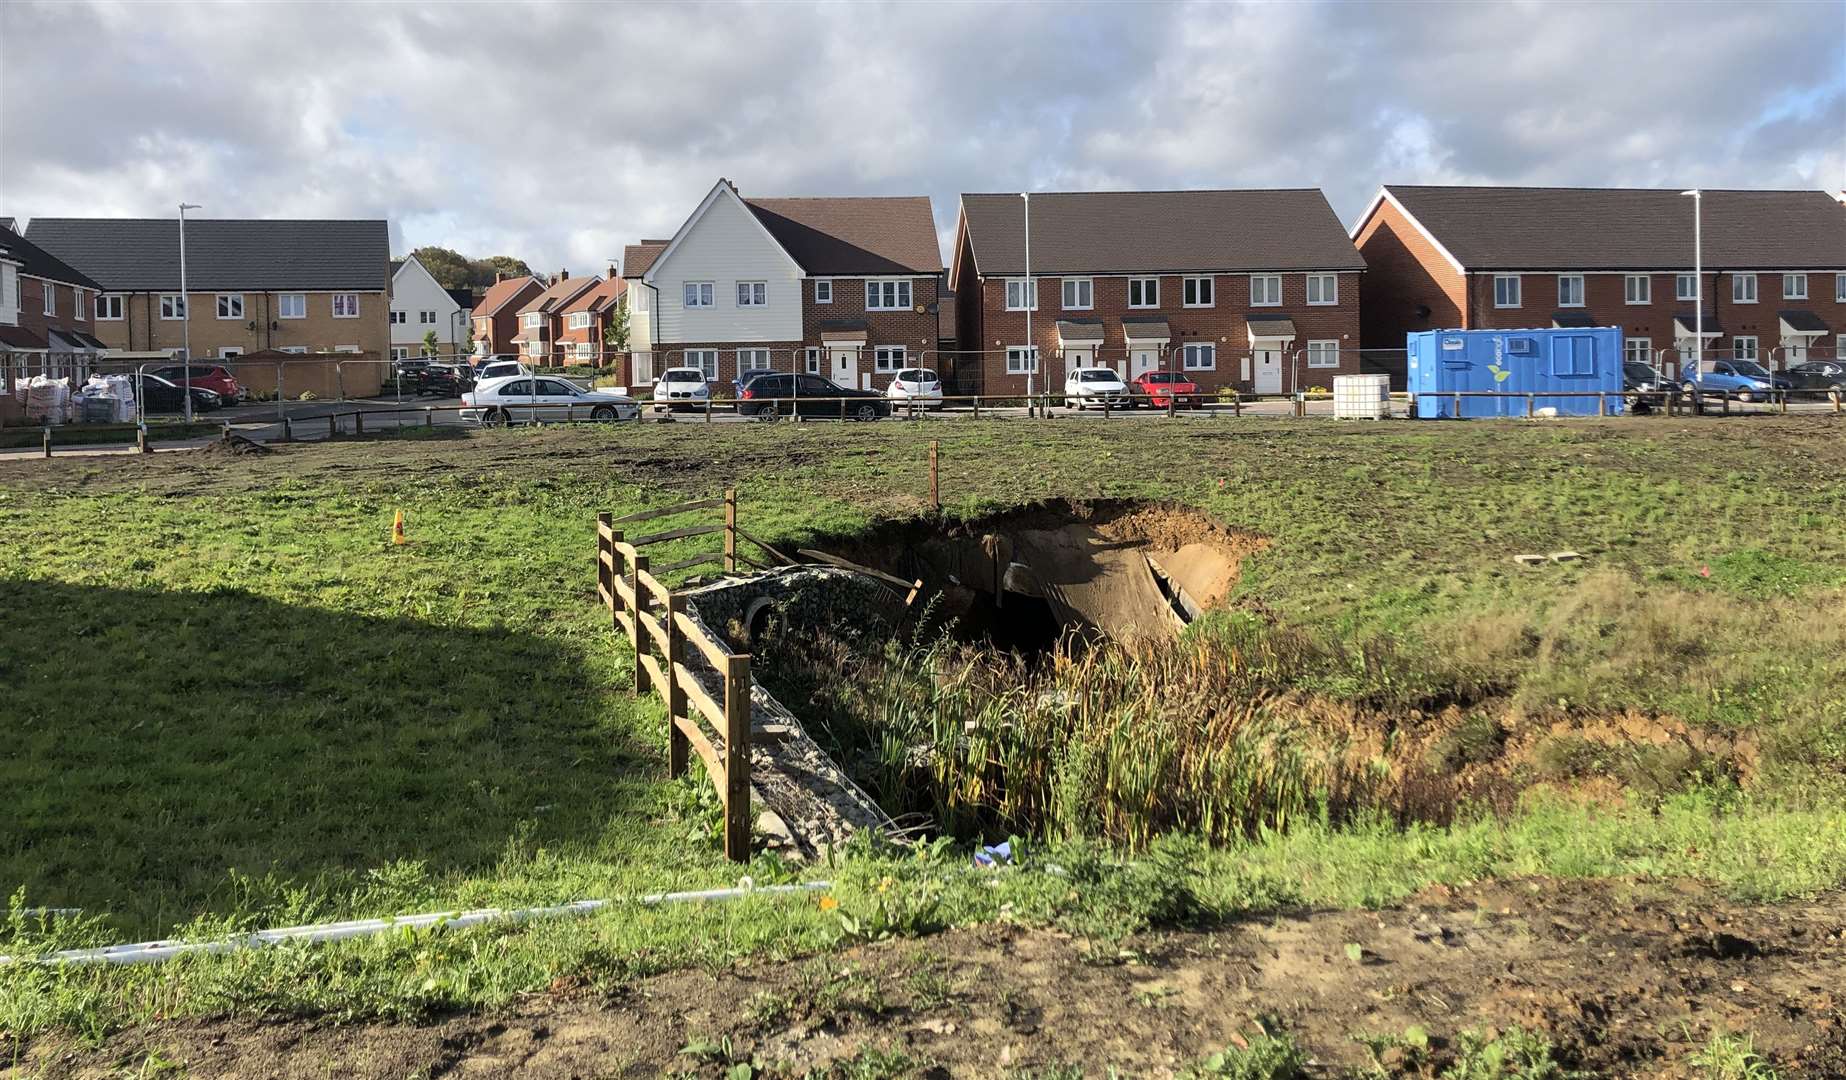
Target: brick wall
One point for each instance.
(261, 327)
(1405, 278)
(914, 330)
(70, 303)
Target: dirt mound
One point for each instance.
(233, 443)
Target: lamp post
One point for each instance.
(1698, 281)
(1031, 300)
(185, 300)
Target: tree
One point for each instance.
(430, 347)
(453, 270)
(616, 336)
(468, 342)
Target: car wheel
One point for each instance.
(865, 412)
(768, 412)
(602, 412)
(496, 418)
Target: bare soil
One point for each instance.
(1628, 979)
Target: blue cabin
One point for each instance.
(1542, 363)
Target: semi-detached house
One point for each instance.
(541, 320)
(842, 287)
(1774, 284)
(1254, 289)
(420, 306)
(496, 313)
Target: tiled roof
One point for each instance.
(605, 293)
(854, 235)
(638, 258)
(1534, 228)
(503, 291)
(39, 263)
(1103, 232)
(132, 254)
(560, 293)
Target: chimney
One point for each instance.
(499, 276)
(563, 274)
(614, 272)
(730, 183)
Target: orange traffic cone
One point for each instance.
(397, 529)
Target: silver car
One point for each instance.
(518, 399)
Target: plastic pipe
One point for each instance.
(153, 952)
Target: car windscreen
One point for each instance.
(1161, 376)
(916, 375)
(1751, 368)
(1096, 376)
(682, 375)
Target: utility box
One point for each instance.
(1361, 397)
(1531, 367)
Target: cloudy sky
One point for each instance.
(559, 132)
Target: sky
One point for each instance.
(557, 133)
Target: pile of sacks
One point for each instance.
(47, 400)
(108, 399)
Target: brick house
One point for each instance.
(1254, 290)
(585, 319)
(541, 320)
(1513, 257)
(496, 314)
(842, 287)
(45, 311)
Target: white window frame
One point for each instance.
(1324, 353)
(586, 350)
(889, 358)
(1198, 356)
(51, 297)
(221, 306)
(1021, 294)
(1150, 292)
(426, 318)
(1329, 290)
(1740, 351)
(1565, 283)
(294, 350)
(1022, 359)
(697, 358)
(1508, 291)
(1078, 293)
(1680, 291)
(399, 317)
(753, 294)
(1260, 294)
(1198, 291)
(698, 294)
(812, 356)
(1741, 284)
(80, 311)
(888, 294)
(1637, 296)
(1800, 283)
(230, 352)
(172, 307)
(1839, 288)
(1642, 355)
(292, 305)
(532, 320)
(758, 359)
(347, 300)
(400, 352)
(823, 290)
(578, 320)
(108, 307)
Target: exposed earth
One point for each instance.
(1628, 979)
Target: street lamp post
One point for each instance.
(1698, 281)
(185, 300)
(1031, 300)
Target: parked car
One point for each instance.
(500, 369)
(1157, 388)
(1638, 379)
(439, 380)
(681, 386)
(519, 399)
(743, 379)
(160, 395)
(1745, 380)
(770, 397)
(1087, 386)
(214, 377)
(919, 386)
(1818, 375)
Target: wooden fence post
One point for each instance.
(935, 495)
(604, 573)
(737, 818)
(678, 749)
(358, 423)
(640, 638)
(333, 425)
(730, 530)
(1531, 404)
(1602, 404)
(48, 434)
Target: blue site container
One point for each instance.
(1542, 363)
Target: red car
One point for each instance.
(1158, 388)
(214, 377)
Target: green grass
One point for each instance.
(230, 701)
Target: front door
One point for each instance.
(846, 366)
(1795, 351)
(1268, 377)
(1145, 360)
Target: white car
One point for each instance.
(919, 385)
(681, 386)
(521, 399)
(1088, 386)
(500, 369)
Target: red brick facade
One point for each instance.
(1410, 285)
(75, 308)
(494, 332)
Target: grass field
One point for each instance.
(231, 701)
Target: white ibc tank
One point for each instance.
(1361, 397)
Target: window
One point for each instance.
(1743, 348)
(345, 305)
(1323, 354)
(79, 310)
(823, 291)
(706, 360)
(397, 317)
(1574, 354)
(1199, 357)
(700, 294)
(578, 320)
(1839, 288)
(172, 307)
(891, 294)
(1078, 293)
(1197, 292)
(1637, 350)
(1265, 290)
(1743, 288)
(230, 305)
(586, 350)
(1506, 291)
(292, 305)
(887, 357)
(1022, 360)
(1323, 289)
(1144, 292)
(752, 294)
(535, 348)
(1685, 286)
(811, 356)
(400, 352)
(1637, 289)
(108, 307)
(230, 352)
(427, 318)
(1021, 294)
(752, 360)
(294, 349)
(1794, 286)
(532, 321)
(1570, 290)
(51, 298)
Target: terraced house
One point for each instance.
(541, 320)
(1774, 264)
(496, 314)
(584, 321)
(842, 287)
(1255, 290)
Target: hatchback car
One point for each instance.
(1745, 380)
(160, 395)
(770, 397)
(1818, 375)
(214, 377)
(681, 387)
(743, 380)
(500, 369)
(1159, 388)
(519, 399)
(918, 386)
(1099, 386)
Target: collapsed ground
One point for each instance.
(232, 698)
